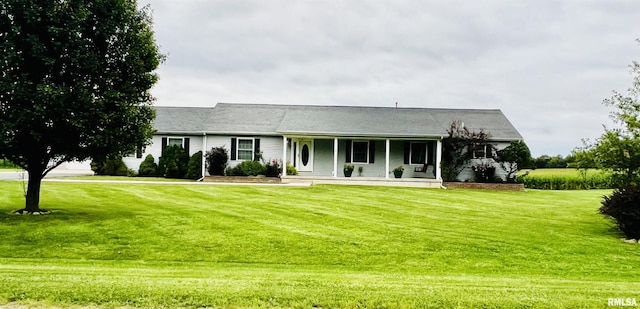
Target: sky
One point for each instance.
(547, 64)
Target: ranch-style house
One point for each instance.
(320, 140)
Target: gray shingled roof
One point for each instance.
(181, 119)
(352, 121)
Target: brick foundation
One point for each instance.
(484, 186)
(243, 179)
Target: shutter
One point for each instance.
(139, 151)
(233, 148)
(372, 151)
(295, 154)
(430, 153)
(407, 151)
(256, 149)
(488, 151)
(186, 145)
(348, 151)
(164, 145)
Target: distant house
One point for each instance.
(319, 140)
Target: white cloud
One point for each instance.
(547, 64)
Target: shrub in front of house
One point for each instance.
(174, 162)
(273, 168)
(622, 206)
(485, 172)
(110, 166)
(148, 167)
(194, 168)
(247, 168)
(291, 170)
(217, 159)
(7, 164)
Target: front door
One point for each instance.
(305, 156)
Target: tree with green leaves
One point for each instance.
(582, 160)
(75, 77)
(513, 157)
(618, 149)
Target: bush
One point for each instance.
(623, 207)
(111, 166)
(247, 168)
(217, 159)
(148, 167)
(194, 168)
(291, 170)
(273, 168)
(8, 164)
(484, 172)
(173, 164)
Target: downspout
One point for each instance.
(204, 147)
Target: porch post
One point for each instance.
(284, 156)
(387, 151)
(335, 157)
(438, 159)
(204, 152)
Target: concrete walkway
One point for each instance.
(192, 183)
(61, 175)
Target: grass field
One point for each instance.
(558, 172)
(566, 179)
(146, 245)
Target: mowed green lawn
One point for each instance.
(168, 245)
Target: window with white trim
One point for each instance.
(177, 141)
(360, 152)
(482, 151)
(136, 154)
(245, 149)
(418, 153)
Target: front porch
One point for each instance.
(373, 159)
(363, 181)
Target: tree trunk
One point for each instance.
(33, 191)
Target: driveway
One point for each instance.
(18, 175)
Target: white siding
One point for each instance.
(76, 165)
(270, 146)
(155, 149)
(467, 173)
